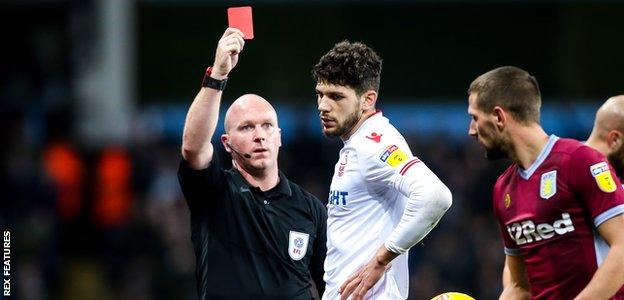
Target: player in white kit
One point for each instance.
(382, 199)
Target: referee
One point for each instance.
(256, 234)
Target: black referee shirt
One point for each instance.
(251, 244)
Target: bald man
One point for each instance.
(256, 234)
(608, 133)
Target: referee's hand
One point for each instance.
(229, 47)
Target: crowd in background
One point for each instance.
(111, 223)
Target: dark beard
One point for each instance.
(496, 151)
(346, 126)
(617, 161)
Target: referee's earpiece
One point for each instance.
(245, 155)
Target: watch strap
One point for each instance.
(212, 83)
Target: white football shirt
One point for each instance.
(364, 208)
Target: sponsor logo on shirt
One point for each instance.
(603, 177)
(393, 156)
(548, 184)
(338, 197)
(375, 137)
(527, 232)
(297, 244)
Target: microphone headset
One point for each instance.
(245, 155)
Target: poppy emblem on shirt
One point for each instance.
(342, 164)
(297, 244)
(603, 177)
(548, 184)
(374, 137)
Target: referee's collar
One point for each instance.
(282, 187)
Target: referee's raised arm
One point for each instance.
(202, 117)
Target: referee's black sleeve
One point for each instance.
(320, 250)
(200, 186)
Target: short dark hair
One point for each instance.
(513, 89)
(350, 64)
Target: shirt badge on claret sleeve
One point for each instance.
(603, 178)
(507, 200)
(297, 244)
(548, 184)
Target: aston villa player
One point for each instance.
(608, 133)
(559, 205)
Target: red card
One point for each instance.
(240, 18)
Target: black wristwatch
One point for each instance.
(212, 83)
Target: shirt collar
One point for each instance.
(377, 114)
(526, 174)
(282, 187)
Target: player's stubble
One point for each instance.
(343, 128)
(499, 149)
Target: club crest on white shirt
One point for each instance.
(297, 244)
(548, 184)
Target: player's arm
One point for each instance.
(506, 275)
(515, 281)
(609, 277)
(428, 200)
(603, 197)
(202, 117)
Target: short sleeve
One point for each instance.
(510, 246)
(200, 186)
(593, 179)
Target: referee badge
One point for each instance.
(297, 244)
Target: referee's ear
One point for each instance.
(279, 137)
(225, 141)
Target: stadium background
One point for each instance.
(94, 94)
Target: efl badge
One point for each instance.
(601, 173)
(297, 244)
(393, 156)
(507, 200)
(548, 184)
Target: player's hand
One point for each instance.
(229, 47)
(363, 280)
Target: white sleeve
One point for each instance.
(429, 198)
